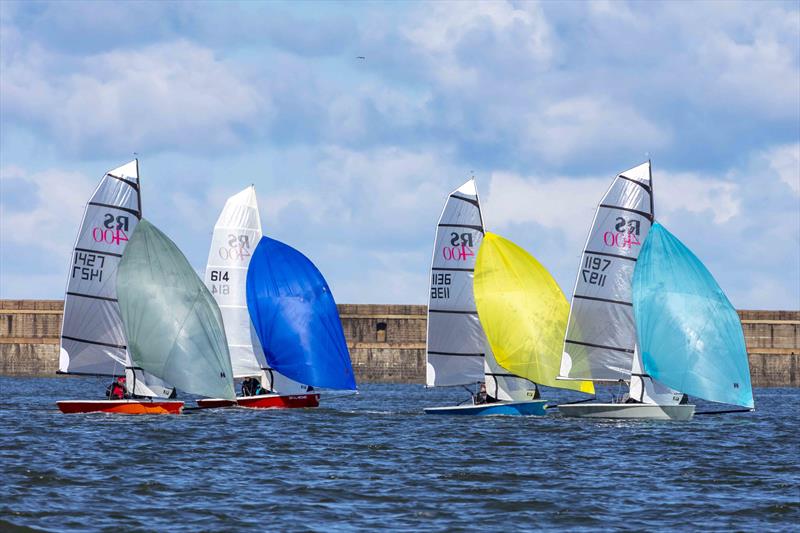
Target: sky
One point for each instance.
(544, 103)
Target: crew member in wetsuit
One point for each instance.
(481, 397)
(250, 387)
(116, 391)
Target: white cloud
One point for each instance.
(785, 161)
(174, 94)
(693, 192)
(50, 219)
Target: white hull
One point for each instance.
(628, 411)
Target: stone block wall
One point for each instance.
(387, 342)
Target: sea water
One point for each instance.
(375, 461)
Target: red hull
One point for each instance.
(123, 407)
(274, 401)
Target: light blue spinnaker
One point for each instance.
(296, 319)
(689, 334)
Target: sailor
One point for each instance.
(481, 397)
(250, 387)
(116, 391)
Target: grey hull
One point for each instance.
(629, 411)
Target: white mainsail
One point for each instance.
(92, 335)
(456, 343)
(236, 234)
(503, 385)
(600, 342)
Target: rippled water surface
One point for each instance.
(376, 461)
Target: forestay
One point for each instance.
(689, 333)
(523, 313)
(455, 342)
(601, 334)
(173, 325)
(295, 317)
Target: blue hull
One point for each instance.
(531, 408)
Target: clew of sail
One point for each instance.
(690, 335)
(523, 313)
(601, 334)
(456, 343)
(173, 325)
(295, 317)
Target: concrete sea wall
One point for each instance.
(387, 342)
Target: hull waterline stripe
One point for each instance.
(648, 216)
(134, 186)
(468, 200)
(127, 210)
(98, 343)
(92, 296)
(599, 346)
(469, 226)
(452, 312)
(618, 256)
(98, 252)
(454, 269)
(453, 354)
(593, 298)
(637, 182)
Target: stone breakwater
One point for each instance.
(387, 342)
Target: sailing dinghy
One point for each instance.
(236, 233)
(495, 317)
(295, 318)
(93, 340)
(629, 279)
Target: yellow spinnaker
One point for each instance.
(523, 312)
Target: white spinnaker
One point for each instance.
(92, 335)
(601, 334)
(236, 234)
(456, 343)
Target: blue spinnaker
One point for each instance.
(296, 319)
(690, 336)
